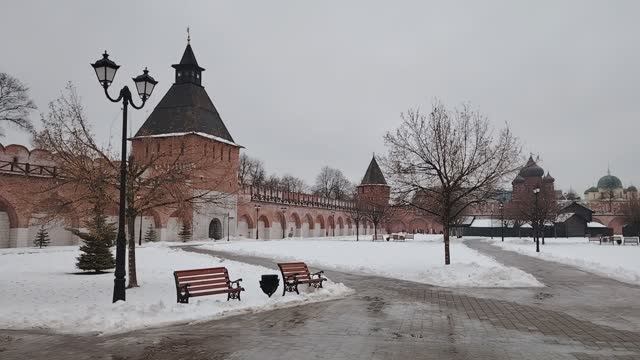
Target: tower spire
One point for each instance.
(188, 36)
(188, 70)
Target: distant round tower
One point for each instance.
(373, 188)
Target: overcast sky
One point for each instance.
(302, 84)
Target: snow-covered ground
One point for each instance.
(39, 289)
(420, 260)
(615, 261)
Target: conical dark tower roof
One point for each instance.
(188, 58)
(374, 175)
(186, 107)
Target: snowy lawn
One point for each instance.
(40, 290)
(420, 260)
(615, 261)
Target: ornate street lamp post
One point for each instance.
(502, 220)
(536, 191)
(106, 70)
(284, 219)
(257, 219)
(229, 217)
(333, 224)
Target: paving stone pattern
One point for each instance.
(384, 319)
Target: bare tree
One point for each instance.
(272, 182)
(161, 179)
(251, 171)
(609, 195)
(15, 104)
(332, 184)
(358, 214)
(378, 215)
(447, 161)
(538, 212)
(292, 184)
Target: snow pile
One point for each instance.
(615, 261)
(40, 290)
(420, 261)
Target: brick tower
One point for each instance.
(373, 188)
(185, 129)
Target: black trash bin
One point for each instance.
(269, 284)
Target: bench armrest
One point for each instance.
(237, 282)
(184, 289)
(318, 274)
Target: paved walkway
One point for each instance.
(385, 319)
(569, 289)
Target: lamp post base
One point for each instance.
(119, 290)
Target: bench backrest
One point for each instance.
(203, 280)
(298, 268)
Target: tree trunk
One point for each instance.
(140, 237)
(375, 232)
(133, 278)
(447, 255)
(357, 231)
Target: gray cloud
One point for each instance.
(306, 84)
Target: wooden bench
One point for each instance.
(202, 282)
(295, 273)
(631, 240)
(614, 239)
(409, 236)
(596, 239)
(398, 237)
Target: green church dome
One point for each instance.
(609, 182)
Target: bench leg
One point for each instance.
(233, 295)
(290, 287)
(317, 285)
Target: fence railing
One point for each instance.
(19, 168)
(275, 196)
